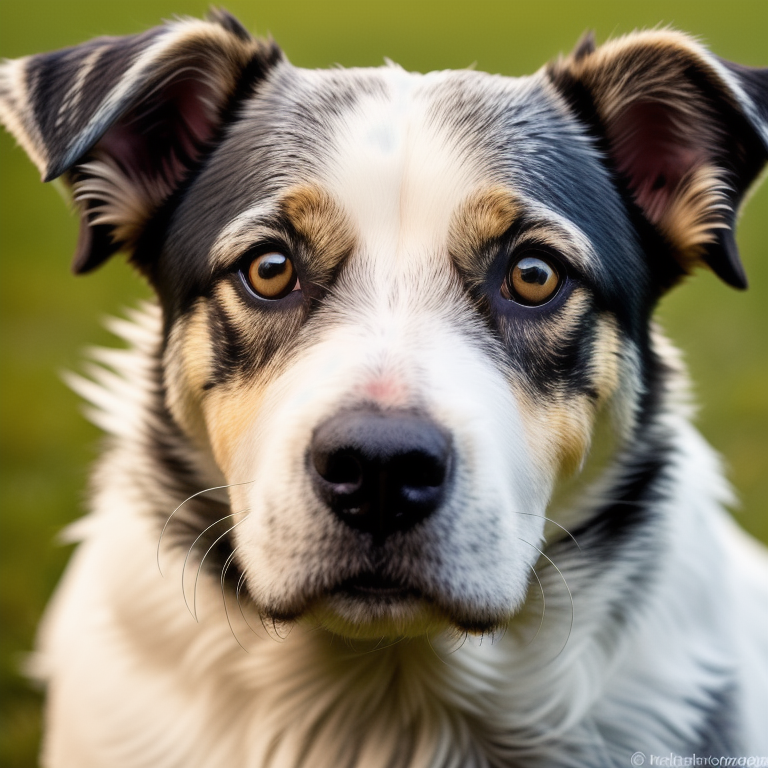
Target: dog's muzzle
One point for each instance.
(380, 472)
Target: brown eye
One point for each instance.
(531, 280)
(272, 275)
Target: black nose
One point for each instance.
(380, 471)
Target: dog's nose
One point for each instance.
(380, 472)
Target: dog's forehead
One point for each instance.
(390, 137)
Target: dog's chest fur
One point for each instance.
(400, 425)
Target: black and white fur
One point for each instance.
(576, 592)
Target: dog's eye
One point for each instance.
(272, 275)
(531, 280)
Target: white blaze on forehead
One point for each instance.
(397, 173)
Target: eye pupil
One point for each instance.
(533, 274)
(272, 265)
(532, 280)
(271, 275)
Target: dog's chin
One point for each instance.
(366, 615)
(368, 609)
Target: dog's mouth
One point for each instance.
(376, 587)
(368, 605)
(374, 606)
(371, 605)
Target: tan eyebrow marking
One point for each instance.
(491, 211)
(485, 215)
(241, 233)
(321, 221)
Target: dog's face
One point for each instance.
(396, 305)
(393, 390)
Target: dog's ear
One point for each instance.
(127, 119)
(686, 132)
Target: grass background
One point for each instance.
(48, 315)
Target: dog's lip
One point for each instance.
(375, 585)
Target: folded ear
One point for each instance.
(127, 119)
(685, 132)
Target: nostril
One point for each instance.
(342, 469)
(419, 470)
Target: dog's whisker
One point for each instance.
(543, 608)
(435, 652)
(202, 561)
(275, 623)
(377, 647)
(284, 637)
(265, 621)
(189, 498)
(554, 522)
(568, 589)
(240, 583)
(262, 620)
(191, 549)
(464, 637)
(224, 570)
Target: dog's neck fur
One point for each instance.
(315, 699)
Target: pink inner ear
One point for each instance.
(654, 147)
(161, 138)
(193, 100)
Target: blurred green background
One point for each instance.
(48, 315)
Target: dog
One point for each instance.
(399, 433)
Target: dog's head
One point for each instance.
(395, 305)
